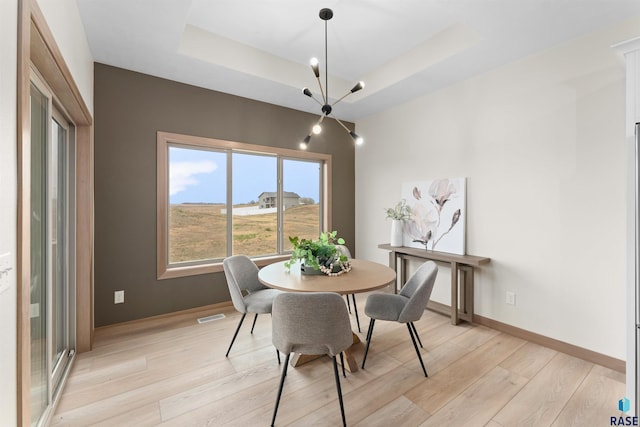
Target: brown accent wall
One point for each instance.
(129, 109)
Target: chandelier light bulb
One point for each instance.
(315, 67)
(356, 138)
(358, 86)
(305, 142)
(316, 129)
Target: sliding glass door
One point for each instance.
(52, 262)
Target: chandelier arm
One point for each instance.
(341, 124)
(343, 97)
(316, 99)
(324, 97)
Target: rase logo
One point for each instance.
(623, 406)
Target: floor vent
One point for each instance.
(210, 318)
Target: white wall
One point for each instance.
(8, 206)
(542, 144)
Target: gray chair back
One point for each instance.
(418, 290)
(242, 274)
(310, 323)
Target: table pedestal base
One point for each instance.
(349, 361)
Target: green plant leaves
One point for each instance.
(316, 253)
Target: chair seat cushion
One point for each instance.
(385, 306)
(260, 301)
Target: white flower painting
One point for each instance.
(438, 213)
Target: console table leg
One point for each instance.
(454, 293)
(393, 263)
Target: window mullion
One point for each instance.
(229, 202)
(280, 211)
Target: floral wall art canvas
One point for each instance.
(438, 215)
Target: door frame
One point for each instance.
(37, 46)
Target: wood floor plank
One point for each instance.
(474, 337)
(542, 399)
(528, 360)
(400, 412)
(257, 401)
(359, 404)
(99, 407)
(445, 385)
(477, 404)
(594, 402)
(195, 397)
(143, 416)
(173, 372)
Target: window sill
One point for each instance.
(194, 270)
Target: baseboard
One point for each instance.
(439, 308)
(561, 346)
(570, 349)
(131, 324)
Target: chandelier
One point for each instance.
(326, 108)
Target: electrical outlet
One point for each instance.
(118, 297)
(511, 298)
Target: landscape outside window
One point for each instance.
(199, 227)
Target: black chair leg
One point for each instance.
(344, 373)
(369, 333)
(415, 331)
(254, 322)
(278, 354)
(282, 377)
(417, 350)
(348, 303)
(335, 371)
(355, 308)
(235, 334)
(369, 330)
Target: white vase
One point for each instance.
(396, 232)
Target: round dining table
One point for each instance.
(364, 276)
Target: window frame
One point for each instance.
(165, 270)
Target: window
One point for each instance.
(220, 198)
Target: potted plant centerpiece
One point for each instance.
(398, 215)
(319, 256)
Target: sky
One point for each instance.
(199, 176)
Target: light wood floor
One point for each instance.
(172, 372)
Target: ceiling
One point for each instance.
(260, 49)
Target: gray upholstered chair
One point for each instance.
(405, 307)
(310, 323)
(346, 252)
(242, 275)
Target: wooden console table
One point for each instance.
(461, 266)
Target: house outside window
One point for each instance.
(270, 199)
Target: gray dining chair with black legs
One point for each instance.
(247, 293)
(310, 323)
(406, 307)
(346, 252)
